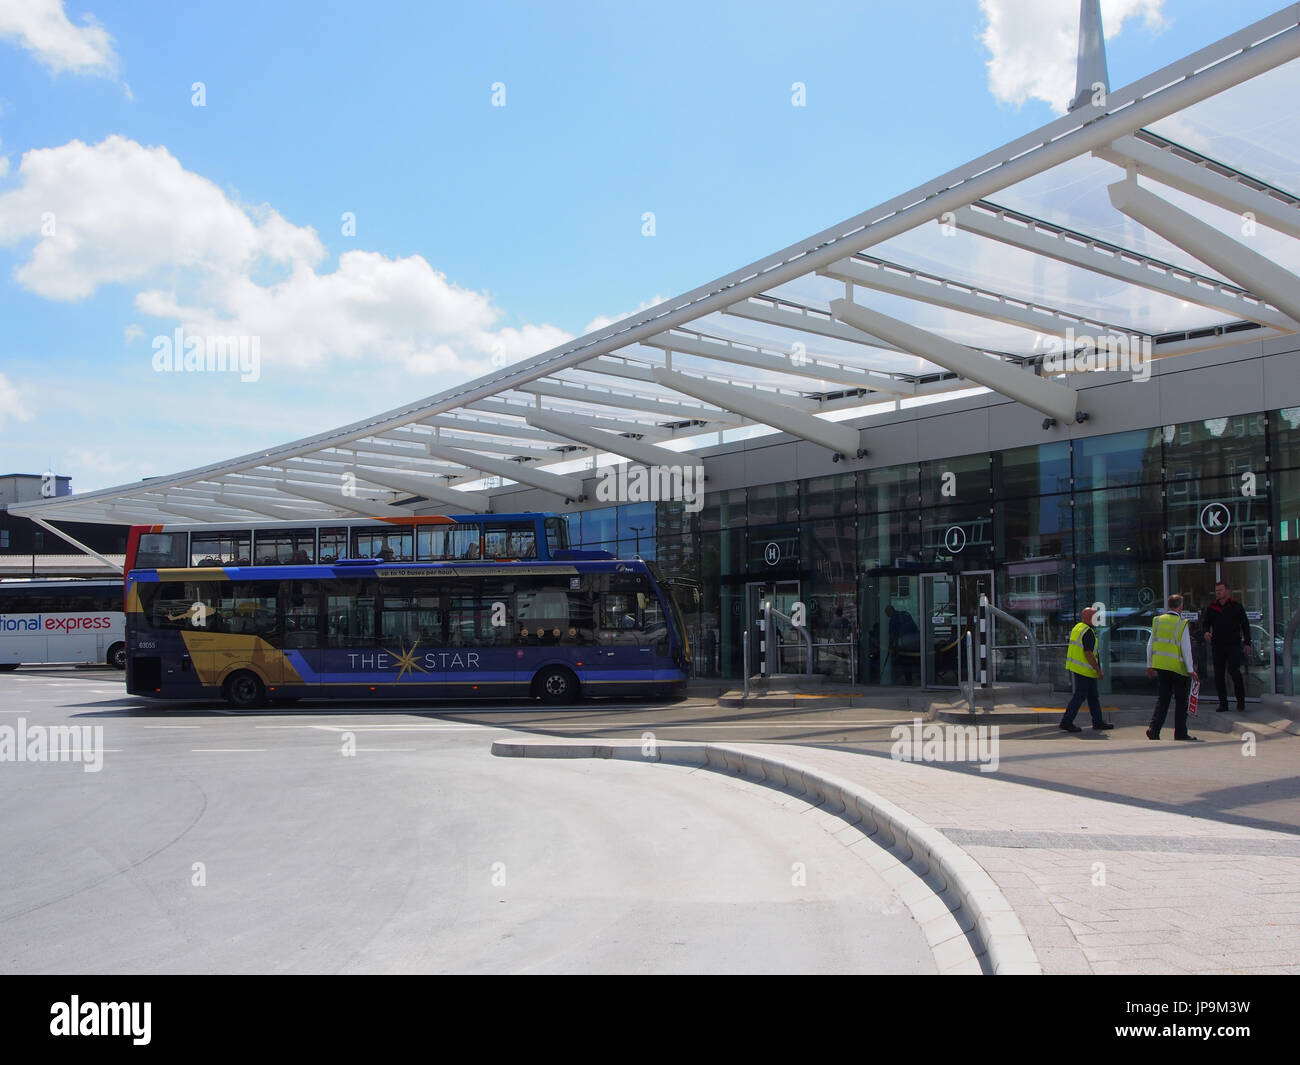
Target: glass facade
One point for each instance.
(1116, 521)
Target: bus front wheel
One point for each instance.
(555, 685)
(244, 690)
(117, 656)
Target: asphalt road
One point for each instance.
(219, 842)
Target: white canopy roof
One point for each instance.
(1167, 212)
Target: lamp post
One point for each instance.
(638, 529)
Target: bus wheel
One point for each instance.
(117, 656)
(555, 685)
(244, 690)
(6, 667)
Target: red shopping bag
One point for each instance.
(1193, 695)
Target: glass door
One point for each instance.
(941, 630)
(783, 595)
(891, 641)
(1250, 582)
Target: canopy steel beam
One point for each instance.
(257, 506)
(599, 440)
(883, 276)
(474, 502)
(489, 427)
(1162, 165)
(801, 321)
(1211, 246)
(840, 439)
(76, 543)
(344, 503)
(1022, 385)
(665, 409)
(570, 488)
(797, 364)
(1073, 248)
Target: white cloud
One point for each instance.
(122, 213)
(11, 403)
(132, 332)
(44, 29)
(1034, 44)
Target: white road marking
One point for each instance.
(171, 726)
(227, 750)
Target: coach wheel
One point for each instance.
(244, 690)
(9, 667)
(555, 685)
(117, 656)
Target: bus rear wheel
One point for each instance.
(555, 685)
(117, 656)
(244, 690)
(7, 667)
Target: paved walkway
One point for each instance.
(1107, 886)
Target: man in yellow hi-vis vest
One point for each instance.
(1169, 658)
(1081, 661)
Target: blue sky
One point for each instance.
(479, 229)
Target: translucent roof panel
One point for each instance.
(990, 265)
(1074, 195)
(1245, 128)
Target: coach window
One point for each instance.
(510, 541)
(411, 611)
(350, 613)
(221, 548)
(285, 546)
(300, 601)
(432, 544)
(463, 542)
(392, 545)
(161, 550)
(544, 608)
(333, 545)
(248, 608)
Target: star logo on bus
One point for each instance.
(406, 662)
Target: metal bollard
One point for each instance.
(746, 666)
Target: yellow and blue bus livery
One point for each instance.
(368, 629)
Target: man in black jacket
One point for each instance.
(1227, 631)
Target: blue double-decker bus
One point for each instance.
(367, 629)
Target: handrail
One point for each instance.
(746, 666)
(768, 611)
(1033, 640)
(970, 670)
(1287, 659)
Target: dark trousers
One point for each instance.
(1085, 688)
(1228, 659)
(1179, 687)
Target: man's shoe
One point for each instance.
(1241, 709)
(1189, 739)
(1152, 735)
(1103, 725)
(1220, 709)
(1069, 728)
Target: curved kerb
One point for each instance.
(967, 921)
